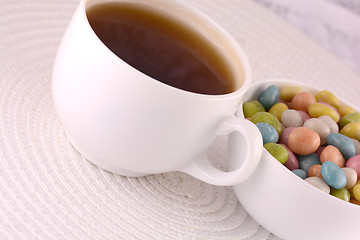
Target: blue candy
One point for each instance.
(268, 132)
(269, 97)
(343, 143)
(307, 161)
(333, 175)
(300, 173)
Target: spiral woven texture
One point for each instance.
(49, 191)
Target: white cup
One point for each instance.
(130, 124)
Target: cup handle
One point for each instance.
(205, 171)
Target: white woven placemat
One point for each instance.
(48, 191)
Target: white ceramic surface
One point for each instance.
(288, 206)
(128, 123)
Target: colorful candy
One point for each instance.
(252, 107)
(342, 193)
(268, 132)
(314, 136)
(277, 151)
(332, 154)
(333, 175)
(278, 109)
(303, 141)
(343, 143)
(269, 97)
(319, 127)
(318, 183)
(349, 118)
(319, 109)
(267, 118)
(291, 118)
(351, 130)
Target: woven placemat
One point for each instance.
(49, 191)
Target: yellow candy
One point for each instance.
(278, 109)
(352, 130)
(356, 192)
(328, 97)
(351, 189)
(288, 92)
(345, 110)
(319, 109)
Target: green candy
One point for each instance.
(252, 107)
(267, 118)
(277, 151)
(349, 118)
(341, 193)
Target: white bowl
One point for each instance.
(288, 206)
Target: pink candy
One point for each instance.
(354, 162)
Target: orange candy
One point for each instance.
(331, 153)
(315, 171)
(303, 141)
(302, 101)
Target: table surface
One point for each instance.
(336, 27)
(49, 191)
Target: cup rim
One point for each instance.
(245, 71)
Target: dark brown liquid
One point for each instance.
(161, 47)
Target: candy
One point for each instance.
(268, 132)
(319, 127)
(351, 130)
(356, 191)
(343, 143)
(357, 146)
(307, 161)
(319, 183)
(345, 110)
(328, 97)
(319, 150)
(285, 135)
(330, 123)
(305, 116)
(342, 193)
(333, 175)
(252, 107)
(300, 173)
(331, 153)
(315, 137)
(292, 162)
(302, 101)
(354, 201)
(349, 118)
(315, 171)
(351, 177)
(267, 118)
(277, 151)
(269, 97)
(278, 109)
(288, 92)
(354, 163)
(303, 141)
(351, 189)
(319, 109)
(291, 118)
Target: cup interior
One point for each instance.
(237, 65)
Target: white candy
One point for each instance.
(319, 127)
(351, 177)
(291, 118)
(318, 183)
(334, 128)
